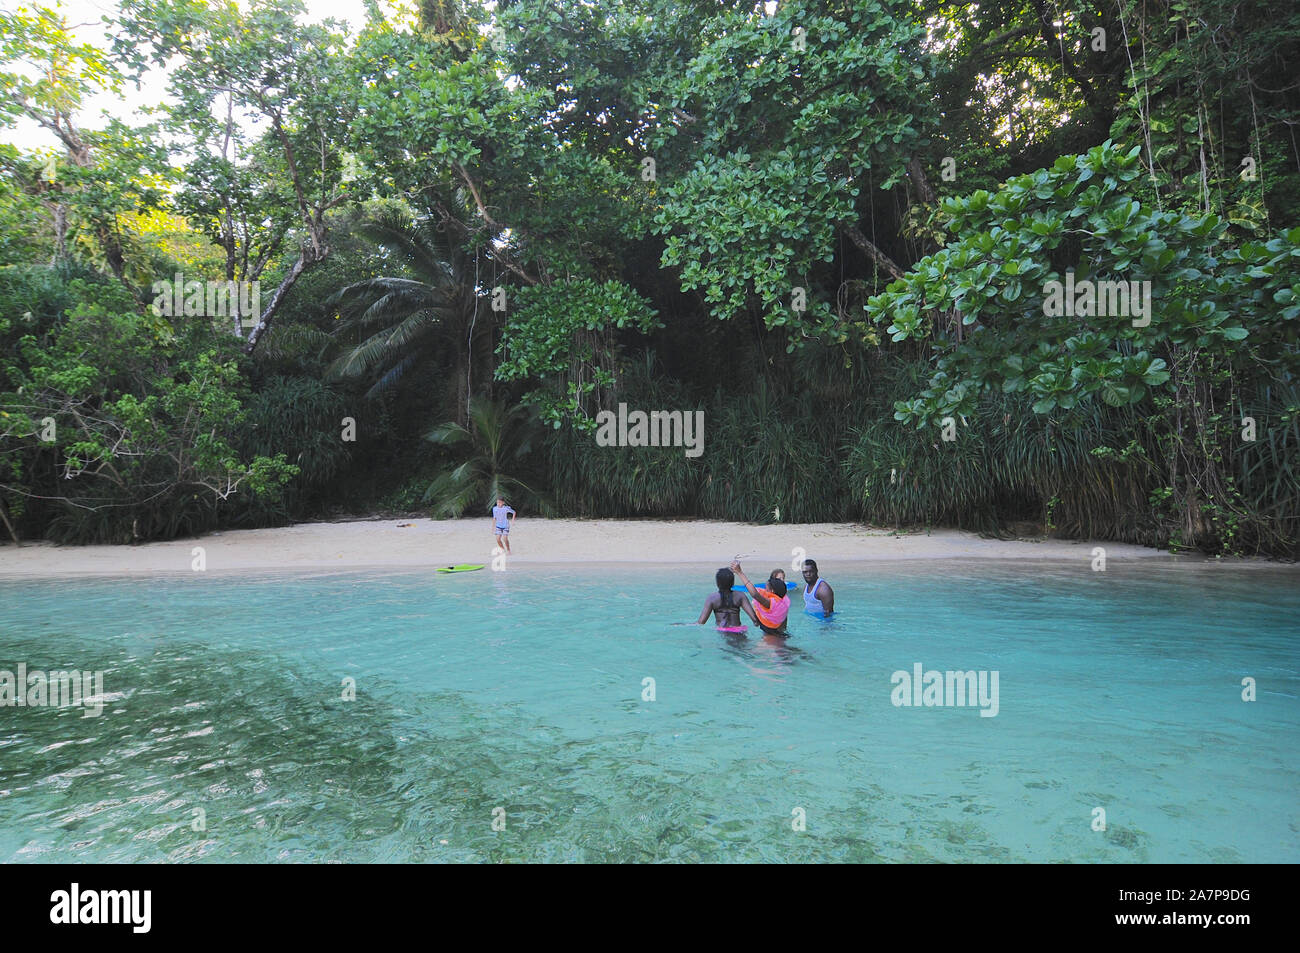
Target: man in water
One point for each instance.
(503, 518)
(725, 604)
(771, 604)
(818, 599)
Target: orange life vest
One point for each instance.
(777, 610)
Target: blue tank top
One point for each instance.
(810, 601)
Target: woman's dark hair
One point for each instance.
(776, 587)
(725, 580)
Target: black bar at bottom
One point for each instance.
(336, 903)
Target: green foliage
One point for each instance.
(773, 461)
(1017, 84)
(562, 333)
(736, 246)
(591, 480)
(1221, 321)
(767, 458)
(824, 146)
(495, 448)
(118, 426)
(1006, 463)
(448, 114)
(298, 419)
(26, 228)
(1009, 257)
(783, 136)
(128, 176)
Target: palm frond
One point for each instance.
(497, 437)
(448, 433)
(383, 347)
(390, 378)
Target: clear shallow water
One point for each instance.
(523, 690)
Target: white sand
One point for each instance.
(428, 543)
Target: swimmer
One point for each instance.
(771, 604)
(725, 604)
(815, 602)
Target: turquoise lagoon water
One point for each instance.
(523, 691)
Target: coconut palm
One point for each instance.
(497, 442)
(391, 324)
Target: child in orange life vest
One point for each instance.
(771, 604)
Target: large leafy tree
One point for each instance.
(438, 125)
(119, 426)
(537, 216)
(95, 179)
(782, 128)
(1014, 247)
(1219, 318)
(227, 65)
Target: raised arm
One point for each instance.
(749, 587)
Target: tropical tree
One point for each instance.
(774, 149)
(225, 65)
(427, 306)
(496, 446)
(1070, 291)
(96, 179)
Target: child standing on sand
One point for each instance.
(503, 518)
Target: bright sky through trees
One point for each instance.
(86, 17)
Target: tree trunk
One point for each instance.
(60, 234)
(924, 190)
(310, 255)
(874, 253)
(4, 515)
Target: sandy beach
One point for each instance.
(414, 543)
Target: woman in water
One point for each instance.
(727, 605)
